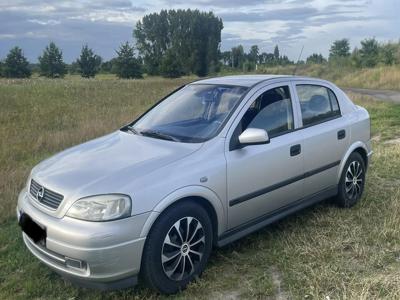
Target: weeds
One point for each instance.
(320, 252)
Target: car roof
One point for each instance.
(245, 80)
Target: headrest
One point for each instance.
(319, 103)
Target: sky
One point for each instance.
(105, 24)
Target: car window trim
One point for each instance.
(278, 85)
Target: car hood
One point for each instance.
(109, 164)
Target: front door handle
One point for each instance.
(295, 150)
(341, 134)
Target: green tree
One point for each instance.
(73, 68)
(1, 68)
(127, 65)
(238, 57)
(316, 59)
(369, 52)
(356, 58)
(276, 53)
(387, 53)
(226, 58)
(253, 54)
(89, 63)
(16, 65)
(284, 60)
(107, 66)
(194, 36)
(51, 62)
(339, 48)
(267, 58)
(171, 65)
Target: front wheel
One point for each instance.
(352, 181)
(177, 248)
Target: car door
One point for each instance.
(325, 133)
(264, 178)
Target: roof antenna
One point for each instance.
(298, 59)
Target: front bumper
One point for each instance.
(95, 254)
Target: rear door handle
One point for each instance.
(295, 150)
(341, 134)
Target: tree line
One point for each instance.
(173, 43)
(371, 53)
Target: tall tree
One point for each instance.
(192, 35)
(253, 54)
(276, 53)
(51, 62)
(238, 56)
(369, 52)
(16, 65)
(340, 48)
(127, 65)
(89, 63)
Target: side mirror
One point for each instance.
(253, 136)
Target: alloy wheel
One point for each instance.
(354, 180)
(183, 248)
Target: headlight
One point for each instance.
(101, 208)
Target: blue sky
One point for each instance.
(104, 24)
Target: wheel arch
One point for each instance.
(358, 147)
(198, 194)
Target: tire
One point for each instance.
(352, 181)
(171, 258)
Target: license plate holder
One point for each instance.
(32, 229)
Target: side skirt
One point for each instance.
(260, 222)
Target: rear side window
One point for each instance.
(271, 111)
(318, 104)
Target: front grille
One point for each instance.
(49, 198)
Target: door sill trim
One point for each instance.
(260, 222)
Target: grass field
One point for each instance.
(384, 77)
(321, 252)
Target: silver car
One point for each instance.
(210, 163)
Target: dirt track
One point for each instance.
(383, 95)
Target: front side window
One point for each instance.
(194, 113)
(271, 111)
(318, 104)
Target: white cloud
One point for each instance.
(44, 22)
(288, 23)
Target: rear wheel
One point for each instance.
(352, 181)
(177, 248)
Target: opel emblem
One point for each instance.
(40, 194)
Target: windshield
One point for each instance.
(194, 113)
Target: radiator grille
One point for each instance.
(45, 196)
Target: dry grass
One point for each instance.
(321, 252)
(386, 77)
(39, 117)
(376, 78)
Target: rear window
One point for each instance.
(318, 104)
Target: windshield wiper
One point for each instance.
(131, 129)
(159, 135)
